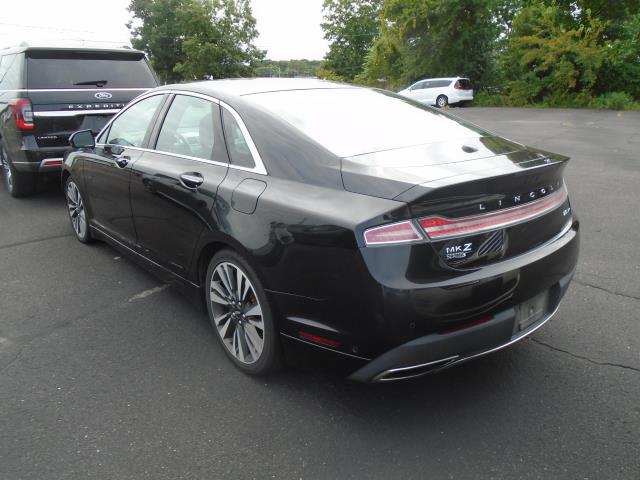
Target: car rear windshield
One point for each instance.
(62, 69)
(354, 121)
(464, 83)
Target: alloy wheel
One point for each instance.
(76, 210)
(442, 101)
(237, 313)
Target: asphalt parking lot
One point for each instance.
(106, 373)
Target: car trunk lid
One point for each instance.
(492, 198)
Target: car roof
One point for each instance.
(439, 78)
(250, 86)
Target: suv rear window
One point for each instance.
(464, 83)
(51, 69)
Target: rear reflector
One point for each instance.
(438, 228)
(51, 162)
(401, 232)
(316, 339)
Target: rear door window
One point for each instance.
(464, 84)
(132, 126)
(79, 70)
(189, 128)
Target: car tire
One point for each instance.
(240, 314)
(78, 215)
(442, 101)
(18, 184)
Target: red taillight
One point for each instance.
(401, 232)
(457, 86)
(438, 228)
(22, 113)
(317, 339)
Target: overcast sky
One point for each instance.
(288, 28)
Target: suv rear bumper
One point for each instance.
(40, 160)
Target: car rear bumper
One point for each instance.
(400, 331)
(46, 165)
(461, 97)
(436, 352)
(39, 160)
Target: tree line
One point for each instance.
(516, 52)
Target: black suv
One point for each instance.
(48, 93)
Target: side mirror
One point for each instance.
(82, 139)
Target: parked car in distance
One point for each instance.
(391, 237)
(440, 91)
(47, 93)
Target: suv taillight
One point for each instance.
(22, 113)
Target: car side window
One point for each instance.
(189, 128)
(418, 86)
(444, 83)
(239, 151)
(130, 128)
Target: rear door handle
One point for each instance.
(122, 161)
(191, 180)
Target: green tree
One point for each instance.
(351, 28)
(548, 60)
(621, 68)
(196, 39)
(430, 38)
(288, 68)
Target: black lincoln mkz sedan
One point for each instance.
(351, 221)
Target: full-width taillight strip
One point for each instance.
(438, 228)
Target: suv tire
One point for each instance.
(18, 184)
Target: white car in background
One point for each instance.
(440, 91)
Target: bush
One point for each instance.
(614, 101)
(484, 98)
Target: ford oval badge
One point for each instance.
(103, 95)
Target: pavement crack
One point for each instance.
(36, 240)
(604, 289)
(582, 357)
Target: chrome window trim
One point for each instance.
(179, 155)
(259, 168)
(72, 113)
